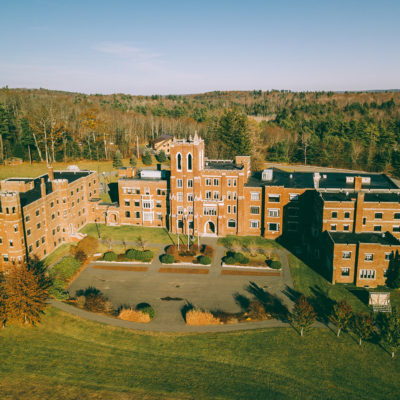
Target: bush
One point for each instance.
(88, 245)
(144, 256)
(161, 157)
(171, 250)
(229, 260)
(240, 258)
(208, 251)
(198, 317)
(127, 314)
(167, 259)
(146, 308)
(146, 158)
(275, 264)
(80, 255)
(110, 256)
(204, 260)
(131, 254)
(96, 302)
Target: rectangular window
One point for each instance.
(229, 195)
(234, 209)
(255, 196)
(347, 214)
(234, 195)
(179, 196)
(137, 214)
(208, 194)
(11, 243)
(190, 210)
(346, 227)
(190, 183)
(364, 220)
(43, 239)
(367, 274)
(147, 204)
(148, 216)
(255, 210)
(216, 182)
(229, 183)
(346, 254)
(15, 228)
(208, 182)
(378, 215)
(159, 216)
(274, 198)
(273, 212)
(396, 215)
(345, 271)
(231, 223)
(127, 214)
(28, 232)
(38, 225)
(369, 257)
(273, 227)
(190, 197)
(216, 195)
(229, 209)
(334, 214)
(210, 210)
(37, 243)
(180, 210)
(377, 228)
(333, 227)
(179, 183)
(37, 213)
(27, 218)
(396, 228)
(137, 203)
(234, 182)
(52, 204)
(254, 224)
(127, 203)
(158, 204)
(388, 256)
(293, 196)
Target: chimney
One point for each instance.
(357, 183)
(42, 187)
(50, 173)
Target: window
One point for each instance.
(388, 256)
(127, 214)
(180, 210)
(229, 209)
(179, 196)
(137, 214)
(369, 257)
(53, 216)
(229, 195)
(159, 216)
(273, 212)
(234, 209)
(378, 215)
(64, 200)
(255, 210)
(255, 196)
(190, 210)
(190, 197)
(210, 210)
(377, 228)
(367, 274)
(396, 215)
(43, 239)
(346, 227)
(179, 183)
(347, 214)
(273, 227)
(334, 214)
(5, 256)
(189, 162)
(208, 182)
(15, 228)
(346, 271)
(346, 254)
(127, 203)
(28, 232)
(147, 204)
(231, 223)
(137, 203)
(52, 204)
(234, 195)
(158, 204)
(11, 243)
(396, 228)
(333, 227)
(364, 221)
(216, 182)
(293, 196)
(229, 183)
(190, 183)
(148, 216)
(234, 182)
(30, 248)
(37, 213)
(274, 198)
(179, 162)
(254, 224)
(27, 218)
(38, 225)
(216, 195)
(208, 194)
(37, 243)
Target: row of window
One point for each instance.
(364, 273)
(378, 215)
(160, 192)
(377, 228)
(367, 256)
(147, 216)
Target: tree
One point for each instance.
(233, 134)
(141, 242)
(88, 246)
(146, 158)
(303, 315)
(161, 157)
(363, 326)
(133, 161)
(117, 160)
(390, 330)
(341, 315)
(393, 273)
(25, 296)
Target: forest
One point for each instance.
(359, 130)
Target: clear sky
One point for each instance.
(148, 47)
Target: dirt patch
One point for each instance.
(117, 268)
(251, 273)
(184, 270)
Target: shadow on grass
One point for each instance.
(271, 303)
(361, 293)
(186, 308)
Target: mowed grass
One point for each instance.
(58, 253)
(130, 233)
(66, 357)
(228, 240)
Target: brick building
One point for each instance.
(324, 216)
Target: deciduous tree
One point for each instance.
(341, 316)
(303, 315)
(390, 330)
(363, 326)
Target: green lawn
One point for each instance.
(58, 253)
(130, 233)
(246, 240)
(69, 358)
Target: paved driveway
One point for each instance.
(210, 291)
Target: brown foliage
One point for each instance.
(127, 314)
(96, 302)
(88, 246)
(199, 317)
(208, 250)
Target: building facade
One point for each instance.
(324, 216)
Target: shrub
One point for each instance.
(208, 251)
(146, 308)
(204, 260)
(257, 310)
(95, 301)
(161, 157)
(197, 317)
(131, 254)
(88, 245)
(167, 259)
(240, 258)
(80, 255)
(229, 260)
(144, 256)
(171, 250)
(80, 301)
(146, 158)
(110, 256)
(127, 314)
(275, 264)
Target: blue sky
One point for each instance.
(147, 47)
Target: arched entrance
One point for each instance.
(209, 228)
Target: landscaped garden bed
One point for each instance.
(130, 256)
(267, 261)
(193, 255)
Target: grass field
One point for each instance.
(130, 233)
(69, 358)
(246, 240)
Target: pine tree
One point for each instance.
(117, 160)
(161, 157)
(233, 134)
(341, 315)
(25, 296)
(363, 326)
(146, 158)
(303, 315)
(390, 330)
(133, 161)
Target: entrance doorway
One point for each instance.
(210, 228)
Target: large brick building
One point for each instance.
(346, 222)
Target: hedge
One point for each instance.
(275, 264)
(204, 260)
(167, 259)
(110, 256)
(139, 255)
